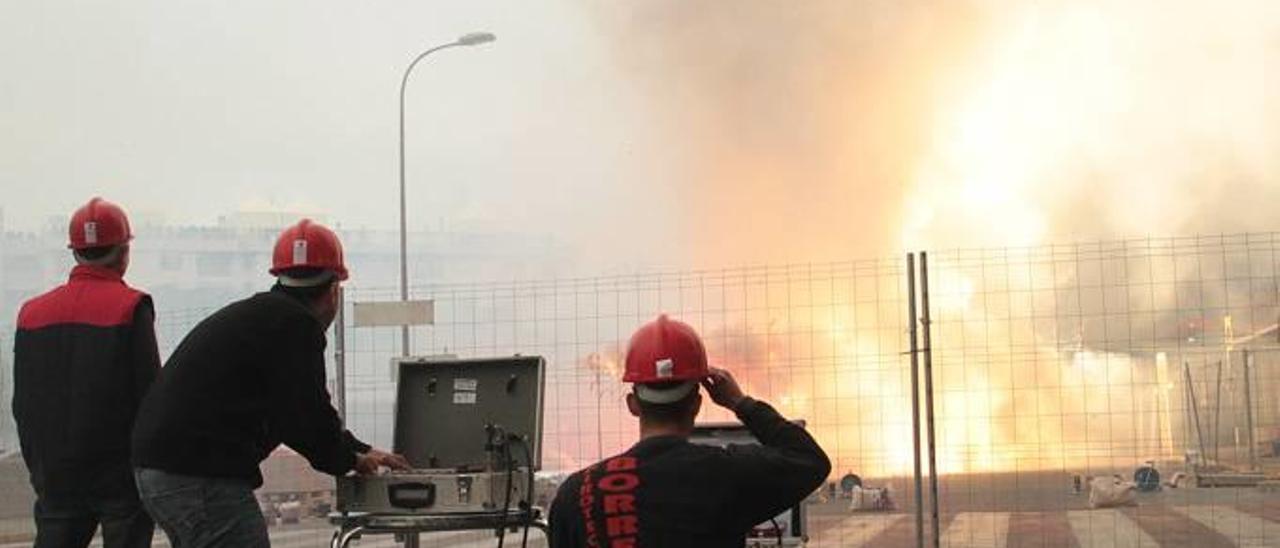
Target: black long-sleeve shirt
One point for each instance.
(84, 356)
(245, 380)
(665, 492)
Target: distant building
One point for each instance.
(192, 270)
(292, 490)
(197, 267)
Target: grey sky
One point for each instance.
(193, 109)
(664, 132)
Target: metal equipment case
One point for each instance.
(430, 492)
(459, 423)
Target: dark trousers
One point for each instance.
(65, 521)
(203, 512)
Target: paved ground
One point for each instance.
(1038, 510)
(1148, 526)
(994, 511)
(1141, 527)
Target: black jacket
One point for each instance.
(84, 355)
(665, 492)
(245, 380)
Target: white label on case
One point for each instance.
(468, 385)
(464, 398)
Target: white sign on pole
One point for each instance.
(389, 313)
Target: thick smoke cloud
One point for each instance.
(830, 129)
(833, 129)
(793, 124)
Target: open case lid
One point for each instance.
(444, 404)
(720, 434)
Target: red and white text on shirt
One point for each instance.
(618, 487)
(586, 503)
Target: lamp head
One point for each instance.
(476, 38)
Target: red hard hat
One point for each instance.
(98, 223)
(308, 244)
(665, 350)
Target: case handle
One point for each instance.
(413, 495)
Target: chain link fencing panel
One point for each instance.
(1052, 366)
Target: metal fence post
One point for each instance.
(915, 396)
(928, 397)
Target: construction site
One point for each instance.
(1013, 267)
(1153, 361)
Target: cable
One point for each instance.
(506, 503)
(528, 502)
(504, 443)
(777, 528)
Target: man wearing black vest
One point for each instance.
(84, 356)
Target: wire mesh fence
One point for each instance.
(1077, 357)
(822, 342)
(1061, 368)
(808, 337)
(1055, 368)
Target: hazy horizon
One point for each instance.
(669, 134)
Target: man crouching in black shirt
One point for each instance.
(245, 380)
(665, 492)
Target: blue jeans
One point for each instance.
(69, 521)
(203, 512)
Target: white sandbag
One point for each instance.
(863, 499)
(1109, 492)
(290, 512)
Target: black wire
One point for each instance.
(777, 528)
(506, 503)
(528, 509)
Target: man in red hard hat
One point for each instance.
(84, 355)
(665, 492)
(245, 380)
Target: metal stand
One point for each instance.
(351, 526)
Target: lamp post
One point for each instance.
(471, 39)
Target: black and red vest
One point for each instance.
(76, 381)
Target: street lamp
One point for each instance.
(471, 39)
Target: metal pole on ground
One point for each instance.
(1248, 409)
(928, 398)
(1195, 410)
(1217, 417)
(915, 396)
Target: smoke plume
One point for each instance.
(804, 131)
